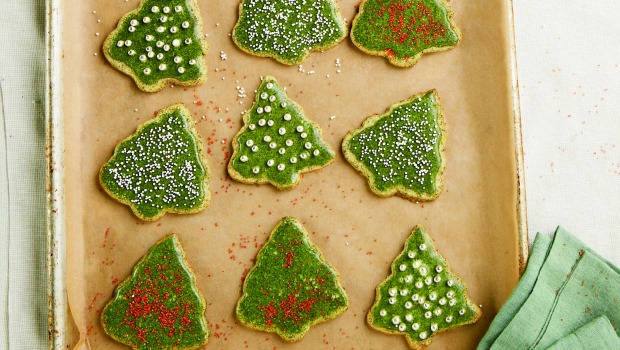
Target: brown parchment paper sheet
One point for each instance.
(473, 222)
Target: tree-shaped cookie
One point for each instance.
(403, 30)
(160, 42)
(421, 297)
(161, 168)
(158, 306)
(277, 143)
(288, 30)
(401, 151)
(291, 287)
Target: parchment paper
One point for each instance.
(473, 222)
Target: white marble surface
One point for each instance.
(569, 73)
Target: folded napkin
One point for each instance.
(568, 298)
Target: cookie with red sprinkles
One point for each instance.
(158, 306)
(403, 30)
(291, 287)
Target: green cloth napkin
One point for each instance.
(596, 335)
(565, 287)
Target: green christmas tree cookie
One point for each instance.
(288, 30)
(403, 30)
(421, 297)
(291, 287)
(159, 43)
(277, 143)
(401, 151)
(158, 306)
(161, 168)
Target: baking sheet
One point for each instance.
(475, 222)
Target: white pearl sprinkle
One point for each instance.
(256, 170)
(423, 335)
(159, 43)
(120, 43)
(272, 98)
(392, 292)
(267, 109)
(188, 41)
(142, 58)
(269, 85)
(392, 301)
(289, 143)
(416, 264)
(162, 66)
(419, 284)
(299, 128)
(178, 59)
(281, 167)
(131, 52)
(270, 162)
(402, 267)
(185, 24)
(449, 319)
(316, 153)
(267, 138)
(147, 71)
(452, 302)
(408, 305)
(127, 42)
(270, 122)
(442, 301)
(149, 37)
(282, 151)
(382, 312)
(163, 19)
(264, 96)
(166, 47)
(408, 279)
(450, 294)
(259, 110)
(450, 283)
(287, 117)
(438, 268)
(437, 312)
(154, 9)
(303, 135)
(166, 9)
(160, 29)
(254, 148)
(192, 62)
(283, 104)
(131, 29)
(415, 326)
(307, 145)
(178, 9)
(432, 296)
(395, 320)
(437, 279)
(282, 131)
(273, 145)
(160, 56)
(304, 155)
(252, 126)
(243, 158)
(402, 327)
(434, 327)
(422, 246)
(411, 254)
(146, 20)
(181, 70)
(462, 312)
(428, 314)
(151, 54)
(249, 143)
(293, 160)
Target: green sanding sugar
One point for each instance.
(402, 30)
(161, 40)
(291, 286)
(421, 297)
(401, 151)
(288, 30)
(158, 306)
(160, 168)
(277, 143)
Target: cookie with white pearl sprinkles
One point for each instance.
(291, 286)
(277, 143)
(421, 297)
(288, 30)
(401, 151)
(159, 43)
(160, 168)
(403, 30)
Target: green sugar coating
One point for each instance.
(421, 297)
(158, 306)
(402, 30)
(291, 287)
(160, 168)
(288, 30)
(160, 41)
(277, 143)
(401, 151)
